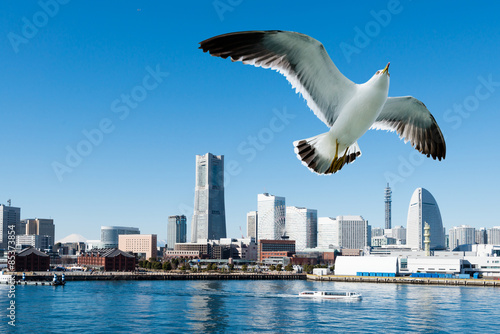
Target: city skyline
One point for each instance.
(106, 118)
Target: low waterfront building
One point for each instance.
(204, 249)
(383, 240)
(31, 259)
(276, 249)
(183, 254)
(351, 265)
(144, 245)
(108, 259)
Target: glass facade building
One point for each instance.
(209, 218)
(301, 225)
(176, 231)
(423, 208)
(272, 213)
(109, 235)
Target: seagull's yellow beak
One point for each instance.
(386, 69)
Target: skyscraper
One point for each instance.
(209, 218)
(9, 216)
(423, 208)
(461, 235)
(272, 213)
(252, 224)
(388, 201)
(301, 225)
(176, 231)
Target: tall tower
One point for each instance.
(388, 201)
(209, 218)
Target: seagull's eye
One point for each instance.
(378, 72)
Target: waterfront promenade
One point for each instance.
(406, 280)
(143, 276)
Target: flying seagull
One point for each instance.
(348, 109)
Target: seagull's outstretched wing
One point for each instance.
(300, 58)
(411, 119)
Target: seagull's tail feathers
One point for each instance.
(318, 153)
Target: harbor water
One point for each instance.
(247, 307)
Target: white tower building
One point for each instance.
(302, 226)
(271, 222)
(423, 208)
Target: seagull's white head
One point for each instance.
(381, 78)
(384, 71)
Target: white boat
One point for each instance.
(6, 277)
(330, 295)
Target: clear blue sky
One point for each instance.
(86, 66)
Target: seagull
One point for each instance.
(347, 108)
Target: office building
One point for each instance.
(9, 216)
(383, 240)
(39, 242)
(276, 249)
(272, 213)
(143, 245)
(176, 230)
(461, 235)
(39, 226)
(109, 235)
(481, 236)
(209, 218)
(494, 235)
(328, 233)
(352, 232)
(388, 201)
(377, 231)
(252, 224)
(302, 226)
(399, 233)
(423, 208)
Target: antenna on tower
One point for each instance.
(9, 202)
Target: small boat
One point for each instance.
(330, 295)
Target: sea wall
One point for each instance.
(406, 280)
(143, 276)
